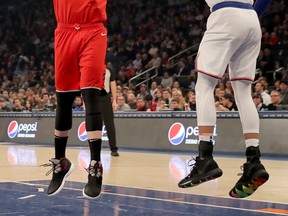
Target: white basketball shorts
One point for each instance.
(233, 37)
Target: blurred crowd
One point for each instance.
(142, 35)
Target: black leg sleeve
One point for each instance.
(93, 117)
(65, 101)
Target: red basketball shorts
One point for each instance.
(80, 52)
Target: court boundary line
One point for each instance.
(162, 200)
(161, 190)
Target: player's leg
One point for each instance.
(205, 168)
(254, 173)
(92, 67)
(242, 74)
(211, 63)
(61, 166)
(93, 118)
(108, 118)
(67, 87)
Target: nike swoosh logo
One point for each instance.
(103, 34)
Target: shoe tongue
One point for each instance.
(93, 162)
(93, 168)
(56, 163)
(54, 160)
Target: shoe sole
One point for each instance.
(63, 182)
(216, 173)
(259, 179)
(89, 197)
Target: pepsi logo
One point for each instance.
(83, 159)
(82, 133)
(12, 156)
(12, 129)
(177, 167)
(176, 133)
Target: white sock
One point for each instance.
(207, 138)
(251, 142)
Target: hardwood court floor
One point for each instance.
(141, 170)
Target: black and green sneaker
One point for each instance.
(254, 175)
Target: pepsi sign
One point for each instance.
(12, 129)
(21, 130)
(178, 133)
(82, 133)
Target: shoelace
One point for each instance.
(242, 169)
(55, 166)
(94, 170)
(192, 163)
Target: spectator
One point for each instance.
(141, 105)
(78, 105)
(51, 106)
(175, 105)
(192, 79)
(258, 101)
(153, 89)
(143, 91)
(228, 101)
(166, 80)
(283, 86)
(266, 61)
(17, 106)
(3, 106)
(182, 69)
(125, 90)
(45, 98)
(219, 93)
(162, 105)
(275, 101)
(177, 94)
(28, 106)
(137, 62)
(166, 95)
(260, 88)
(6, 82)
(149, 103)
(176, 85)
(218, 105)
(155, 61)
(158, 95)
(131, 99)
(40, 106)
(122, 106)
(191, 100)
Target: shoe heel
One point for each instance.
(216, 173)
(89, 197)
(260, 178)
(70, 170)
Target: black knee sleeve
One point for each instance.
(93, 115)
(64, 110)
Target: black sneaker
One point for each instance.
(254, 175)
(61, 170)
(202, 171)
(114, 153)
(92, 189)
